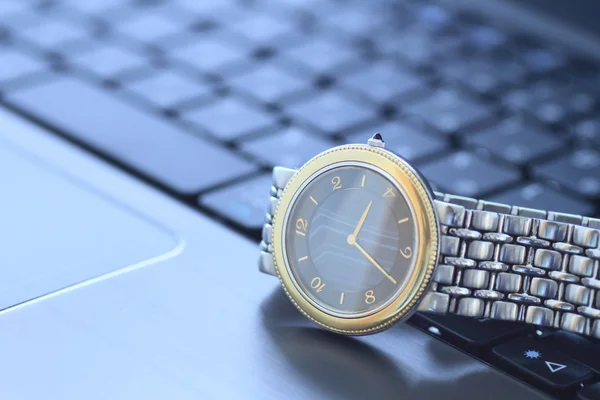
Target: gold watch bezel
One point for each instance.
(421, 201)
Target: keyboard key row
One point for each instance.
(146, 143)
(292, 147)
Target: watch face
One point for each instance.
(349, 240)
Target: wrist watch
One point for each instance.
(359, 242)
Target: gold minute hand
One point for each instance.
(375, 263)
(361, 221)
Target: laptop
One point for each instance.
(136, 143)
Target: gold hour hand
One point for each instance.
(372, 260)
(361, 221)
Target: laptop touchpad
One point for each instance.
(55, 233)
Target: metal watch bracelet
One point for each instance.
(502, 262)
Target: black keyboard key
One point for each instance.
(205, 8)
(149, 27)
(578, 171)
(245, 203)
(207, 55)
(591, 392)
(550, 112)
(408, 141)
(484, 38)
(331, 112)
(582, 98)
(543, 363)
(383, 81)
(544, 95)
(485, 76)
(95, 6)
(53, 34)
(230, 118)
(167, 88)
(417, 47)
(541, 60)
(516, 140)
(268, 83)
(8, 8)
(589, 130)
(536, 195)
(304, 5)
(176, 159)
(290, 148)
(433, 17)
(108, 61)
(22, 15)
(320, 55)
(448, 110)
(578, 347)
(15, 65)
(353, 21)
(474, 332)
(261, 28)
(465, 173)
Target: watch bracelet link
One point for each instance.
(517, 264)
(281, 177)
(501, 262)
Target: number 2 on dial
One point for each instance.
(337, 183)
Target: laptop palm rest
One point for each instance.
(56, 233)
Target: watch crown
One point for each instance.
(376, 141)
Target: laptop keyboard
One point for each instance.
(203, 98)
